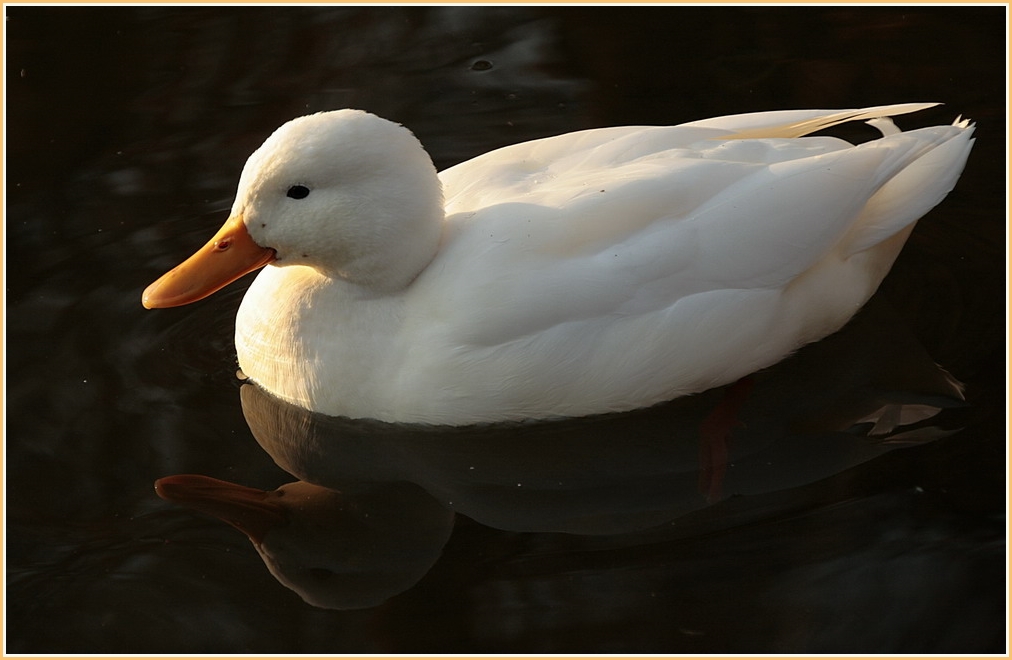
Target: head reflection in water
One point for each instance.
(337, 550)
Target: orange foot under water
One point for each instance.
(715, 433)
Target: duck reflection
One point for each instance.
(337, 550)
(375, 503)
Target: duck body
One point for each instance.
(597, 271)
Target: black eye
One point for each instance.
(320, 574)
(298, 192)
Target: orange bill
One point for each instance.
(224, 259)
(249, 510)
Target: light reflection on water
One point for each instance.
(127, 132)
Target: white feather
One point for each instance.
(596, 271)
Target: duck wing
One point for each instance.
(630, 220)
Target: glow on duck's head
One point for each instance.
(345, 192)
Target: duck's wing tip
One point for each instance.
(877, 116)
(963, 123)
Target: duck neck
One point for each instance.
(393, 265)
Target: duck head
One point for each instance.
(347, 193)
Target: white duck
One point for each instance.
(602, 270)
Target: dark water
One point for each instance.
(126, 131)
